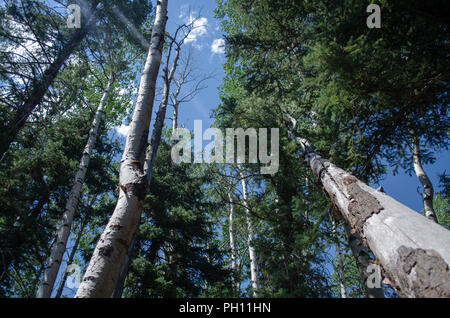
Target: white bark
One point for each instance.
(57, 253)
(428, 191)
(152, 149)
(108, 256)
(413, 251)
(62, 283)
(251, 247)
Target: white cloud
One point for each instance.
(218, 46)
(200, 25)
(122, 130)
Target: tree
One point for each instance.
(41, 72)
(250, 239)
(104, 267)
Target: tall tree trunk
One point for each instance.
(150, 160)
(413, 251)
(62, 283)
(339, 255)
(234, 272)
(56, 256)
(362, 258)
(251, 247)
(118, 290)
(428, 191)
(155, 140)
(108, 256)
(40, 86)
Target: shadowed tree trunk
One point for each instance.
(428, 191)
(251, 247)
(62, 283)
(234, 277)
(340, 262)
(57, 253)
(104, 267)
(362, 258)
(412, 250)
(41, 85)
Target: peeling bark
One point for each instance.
(108, 256)
(384, 224)
(57, 253)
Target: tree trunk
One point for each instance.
(428, 191)
(361, 255)
(118, 290)
(108, 256)
(72, 255)
(40, 86)
(155, 140)
(251, 247)
(413, 251)
(150, 160)
(56, 256)
(341, 263)
(234, 278)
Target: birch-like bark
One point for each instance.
(118, 290)
(71, 257)
(155, 140)
(428, 191)
(148, 166)
(251, 247)
(362, 258)
(413, 251)
(234, 277)
(340, 261)
(108, 256)
(57, 253)
(40, 86)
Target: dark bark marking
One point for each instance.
(106, 251)
(362, 204)
(138, 189)
(427, 270)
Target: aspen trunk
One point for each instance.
(70, 259)
(155, 140)
(413, 251)
(148, 167)
(108, 256)
(428, 191)
(251, 248)
(57, 253)
(341, 263)
(361, 255)
(118, 290)
(232, 244)
(40, 87)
